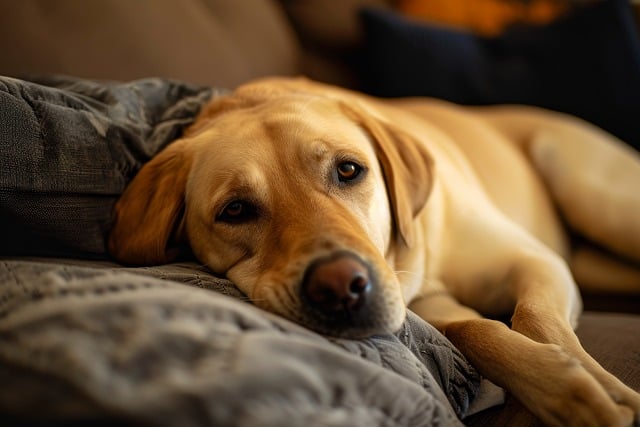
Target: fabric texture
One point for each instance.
(98, 342)
(586, 64)
(70, 146)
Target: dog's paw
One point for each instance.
(620, 393)
(561, 392)
(628, 398)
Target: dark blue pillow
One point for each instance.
(586, 64)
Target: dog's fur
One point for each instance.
(454, 213)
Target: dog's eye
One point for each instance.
(348, 171)
(237, 211)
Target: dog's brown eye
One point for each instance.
(234, 209)
(348, 171)
(237, 211)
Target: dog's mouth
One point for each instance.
(341, 296)
(371, 319)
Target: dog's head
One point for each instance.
(297, 198)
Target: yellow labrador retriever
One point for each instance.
(337, 210)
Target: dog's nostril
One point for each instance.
(338, 283)
(359, 284)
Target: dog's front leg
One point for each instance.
(544, 292)
(546, 378)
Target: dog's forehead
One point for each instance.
(312, 115)
(305, 125)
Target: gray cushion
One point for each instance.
(69, 147)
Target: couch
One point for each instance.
(83, 339)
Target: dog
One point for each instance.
(338, 210)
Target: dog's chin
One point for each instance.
(359, 331)
(364, 324)
(382, 313)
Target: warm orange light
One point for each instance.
(487, 17)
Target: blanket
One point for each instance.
(84, 340)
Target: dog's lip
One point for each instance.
(374, 322)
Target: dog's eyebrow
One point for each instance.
(320, 149)
(246, 182)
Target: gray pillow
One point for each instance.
(70, 146)
(98, 344)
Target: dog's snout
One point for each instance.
(338, 283)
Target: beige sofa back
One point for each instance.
(213, 42)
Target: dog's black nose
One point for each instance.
(337, 283)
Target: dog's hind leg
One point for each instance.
(599, 272)
(594, 179)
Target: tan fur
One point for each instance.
(456, 216)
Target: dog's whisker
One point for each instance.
(287, 297)
(405, 272)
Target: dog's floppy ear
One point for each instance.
(148, 226)
(148, 217)
(407, 168)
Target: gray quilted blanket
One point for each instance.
(85, 341)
